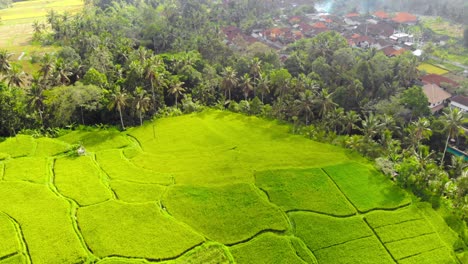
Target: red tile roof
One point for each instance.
(403, 17)
(435, 94)
(381, 15)
(391, 51)
(319, 25)
(437, 79)
(352, 15)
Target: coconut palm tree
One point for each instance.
(141, 103)
(246, 85)
(255, 67)
(176, 90)
(371, 126)
(15, 76)
(36, 100)
(325, 102)
(154, 73)
(419, 130)
(263, 85)
(350, 120)
(4, 61)
(453, 120)
(229, 81)
(118, 101)
(305, 105)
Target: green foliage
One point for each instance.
(228, 214)
(81, 180)
(94, 77)
(266, 248)
(366, 188)
(304, 189)
(120, 229)
(415, 99)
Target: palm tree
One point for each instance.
(350, 119)
(119, 102)
(305, 105)
(47, 66)
(176, 90)
(255, 68)
(419, 130)
(141, 103)
(229, 80)
(263, 85)
(15, 76)
(453, 120)
(36, 100)
(153, 72)
(325, 102)
(4, 61)
(246, 85)
(371, 126)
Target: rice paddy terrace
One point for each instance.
(212, 187)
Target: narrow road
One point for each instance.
(454, 63)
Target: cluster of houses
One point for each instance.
(380, 30)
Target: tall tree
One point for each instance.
(15, 76)
(263, 85)
(305, 105)
(246, 85)
(229, 80)
(453, 120)
(350, 120)
(325, 102)
(118, 101)
(141, 102)
(177, 90)
(4, 61)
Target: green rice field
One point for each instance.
(209, 187)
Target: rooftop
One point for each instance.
(438, 79)
(435, 94)
(404, 17)
(460, 99)
(381, 15)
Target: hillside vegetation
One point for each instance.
(209, 187)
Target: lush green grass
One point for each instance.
(322, 231)
(45, 221)
(47, 147)
(228, 214)
(97, 140)
(216, 147)
(81, 180)
(366, 250)
(120, 168)
(304, 189)
(266, 248)
(415, 245)
(9, 243)
(27, 169)
(366, 188)
(208, 253)
(134, 230)
(137, 192)
(429, 68)
(18, 146)
(191, 192)
(439, 255)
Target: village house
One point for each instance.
(460, 102)
(436, 96)
(405, 18)
(381, 15)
